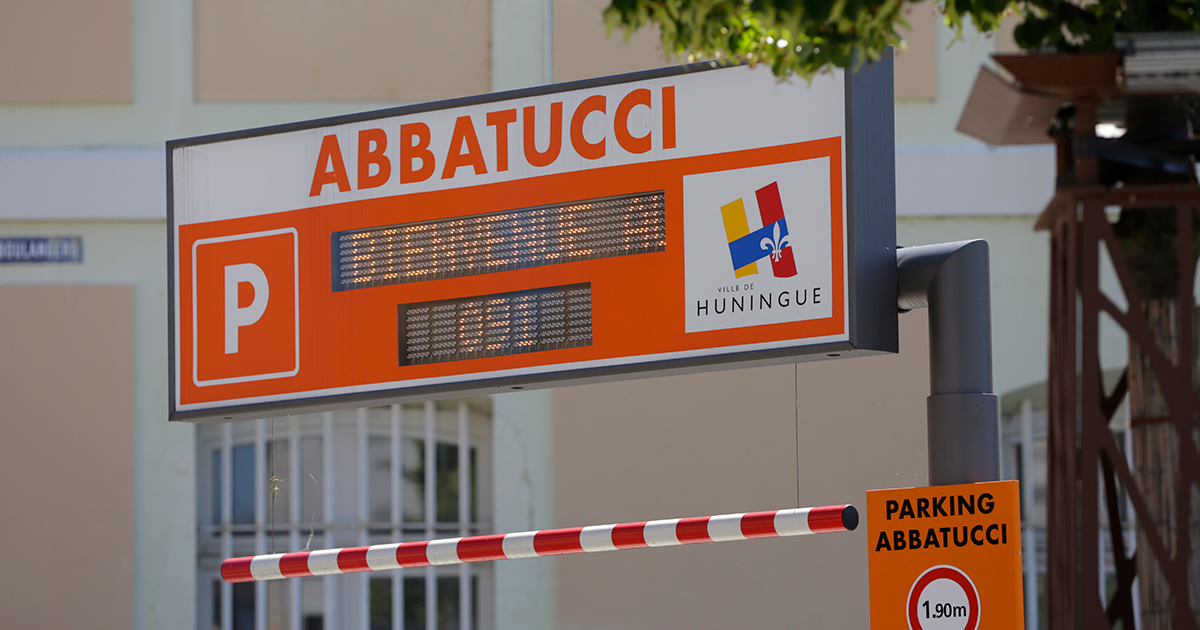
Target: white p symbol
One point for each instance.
(236, 316)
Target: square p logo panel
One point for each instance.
(245, 307)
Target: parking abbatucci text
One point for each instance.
(971, 527)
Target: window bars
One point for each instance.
(355, 477)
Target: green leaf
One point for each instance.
(822, 34)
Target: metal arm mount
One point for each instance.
(952, 279)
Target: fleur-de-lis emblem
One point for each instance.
(776, 245)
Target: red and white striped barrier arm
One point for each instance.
(550, 542)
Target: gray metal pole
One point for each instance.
(963, 412)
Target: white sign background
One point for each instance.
(708, 268)
(717, 111)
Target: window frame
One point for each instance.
(346, 501)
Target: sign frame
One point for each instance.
(914, 543)
(869, 256)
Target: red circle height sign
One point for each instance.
(944, 611)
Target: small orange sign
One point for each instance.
(946, 557)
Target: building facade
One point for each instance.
(130, 514)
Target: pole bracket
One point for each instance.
(952, 280)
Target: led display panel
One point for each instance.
(596, 228)
(495, 325)
(684, 219)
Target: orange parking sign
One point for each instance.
(946, 557)
(573, 233)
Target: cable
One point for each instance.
(796, 392)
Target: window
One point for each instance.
(339, 479)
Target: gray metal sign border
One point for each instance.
(870, 259)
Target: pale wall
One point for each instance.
(353, 50)
(524, 487)
(66, 380)
(584, 49)
(133, 253)
(920, 122)
(726, 442)
(917, 60)
(164, 104)
(66, 51)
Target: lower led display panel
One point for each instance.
(495, 325)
